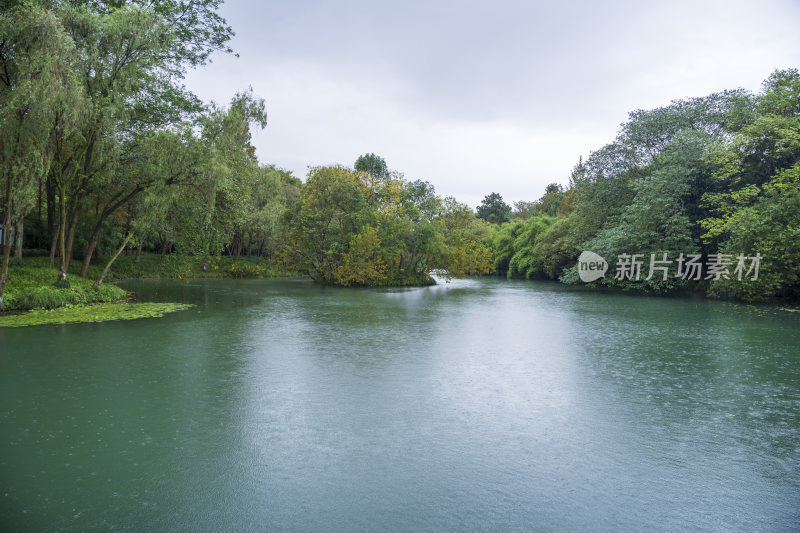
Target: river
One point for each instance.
(471, 405)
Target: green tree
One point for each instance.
(37, 89)
(771, 229)
(205, 184)
(494, 210)
(374, 165)
(549, 203)
(656, 222)
(331, 212)
(524, 263)
(132, 58)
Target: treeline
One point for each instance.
(103, 148)
(716, 177)
(370, 227)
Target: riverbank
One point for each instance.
(32, 296)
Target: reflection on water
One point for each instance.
(474, 404)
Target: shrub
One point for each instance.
(247, 270)
(105, 294)
(43, 298)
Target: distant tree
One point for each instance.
(374, 165)
(493, 209)
(549, 203)
(523, 209)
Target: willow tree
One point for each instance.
(132, 60)
(37, 90)
(201, 183)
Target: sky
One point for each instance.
(480, 97)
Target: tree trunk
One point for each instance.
(18, 243)
(52, 225)
(109, 209)
(238, 249)
(110, 261)
(6, 240)
(138, 253)
(92, 245)
(62, 196)
(71, 236)
(53, 246)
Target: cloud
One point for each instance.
(479, 97)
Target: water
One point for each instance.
(474, 405)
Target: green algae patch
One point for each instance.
(90, 313)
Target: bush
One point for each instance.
(247, 270)
(770, 228)
(43, 298)
(105, 294)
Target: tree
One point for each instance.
(656, 221)
(523, 210)
(132, 58)
(494, 210)
(754, 208)
(331, 212)
(503, 245)
(769, 228)
(37, 89)
(202, 185)
(272, 191)
(550, 202)
(467, 241)
(524, 262)
(373, 165)
(348, 230)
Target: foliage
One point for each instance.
(524, 262)
(770, 228)
(247, 270)
(38, 89)
(713, 175)
(362, 263)
(494, 210)
(49, 297)
(374, 165)
(348, 229)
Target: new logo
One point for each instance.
(591, 266)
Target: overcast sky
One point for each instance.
(480, 97)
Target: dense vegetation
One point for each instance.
(355, 228)
(103, 149)
(717, 176)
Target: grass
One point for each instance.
(90, 313)
(173, 266)
(31, 287)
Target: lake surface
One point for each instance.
(474, 405)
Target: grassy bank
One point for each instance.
(32, 289)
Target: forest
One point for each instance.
(104, 151)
